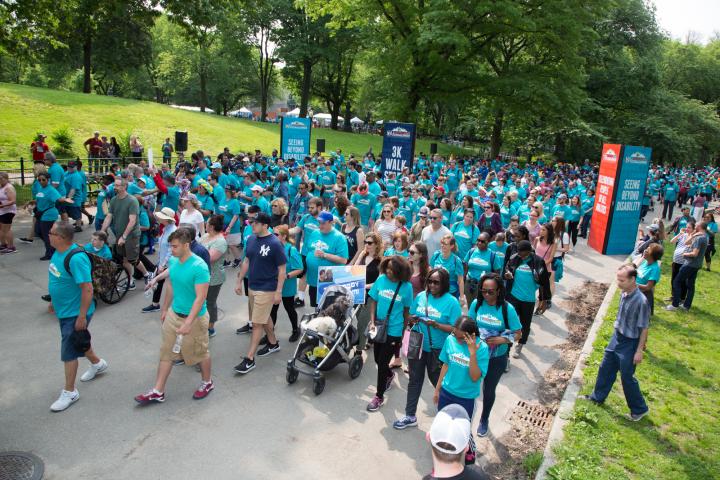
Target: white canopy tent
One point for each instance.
(241, 112)
(293, 113)
(325, 119)
(356, 120)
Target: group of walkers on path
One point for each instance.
(463, 250)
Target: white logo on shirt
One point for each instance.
(460, 359)
(264, 250)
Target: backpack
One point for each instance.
(102, 270)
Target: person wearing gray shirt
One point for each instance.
(433, 233)
(626, 347)
(685, 279)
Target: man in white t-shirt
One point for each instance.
(433, 233)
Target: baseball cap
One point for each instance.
(653, 228)
(450, 430)
(325, 217)
(257, 188)
(216, 165)
(263, 218)
(383, 194)
(423, 212)
(231, 187)
(80, 340)
(72, 164)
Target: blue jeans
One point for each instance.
(684, 281)
(619, 357)
(98, 222)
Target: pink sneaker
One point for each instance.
(204, 390)
(375, 404)
(150, 397)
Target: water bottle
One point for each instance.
(178, 344)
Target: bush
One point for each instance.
(62, 143)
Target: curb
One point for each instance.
(573, 387)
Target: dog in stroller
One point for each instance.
(329, 337)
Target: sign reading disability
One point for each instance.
(398, 148)
(295, 138)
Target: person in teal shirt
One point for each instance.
(365, 202)
(466, 232)
(230, 210)
(389, 301)
(172, 198)
(294, 270)
(572, 217)
(479, 261)
(260, 200)
(465, 362)
(447, 258)
(98, 246)
(56, 172)
(648, 272)
(400, 245)
(326, 247)
(500, 247)
(46, 212)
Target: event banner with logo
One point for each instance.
(398, 147)
(351, 276)
(295, 138)
(618, 198)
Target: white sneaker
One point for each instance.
(65, 400)
(518, 351)
(670, 308)
(94, 370)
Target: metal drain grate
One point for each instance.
(532, 415)
(20, 466)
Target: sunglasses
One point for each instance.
(434, 218)
(431, 281)
(482, 241)
(413, 252)
(488, 208)
(488, 291)
(369, 243)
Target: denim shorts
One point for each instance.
(68, 352)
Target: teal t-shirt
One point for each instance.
(365, 204)
(64, 287)
(465, 237)
(57, 178)
(294, 262)
(382, 292)
(183, 277)
(490, 322)
(500, 251)
(73, 181)
(308, 224)
(456, 355)
(172, 198)
(104, 252)
(444, 309)
(45, 200)
(453, 265)
(524, 286)
(391, 252)
(332, 242)
(573, 213)
(480, 262)
(647, 272)
(228, 209)
(144, 221)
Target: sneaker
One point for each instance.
(507, 366)
(149, 277)
(65, 400)
(26, 240)
(670, 308)
(46, 298)
(91, 219)
(94, 370)
(45, 258)
(375, 404)
(268, 349)
(389, 381)
(211, 332)
(247, 328)
(179, 362)
(132, 286)
(294, 336)
(8, 250)
(245, 366)
(236, 263)
(518, 350)
(683, 308)
(483, 427)
(204, 390)
(636, 417)
(78, 229)
(151, 308)
(299, 303)
(589, 398)
(405, 422)
(263, 340)
(152, 396)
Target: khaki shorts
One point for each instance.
(130, 250)
(260, 304)
(194, 347)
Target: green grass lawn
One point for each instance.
(28, 110)
(680, 378)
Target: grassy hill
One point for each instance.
(28, 110)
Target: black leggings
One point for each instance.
(383, 353)
(573, 231)
(525, 312)
(289, 304)
(496, 368)
(42, 228)
(683, 288)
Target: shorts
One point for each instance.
(72, 211)
(130, 250)
(68, 353)
(195, 346)
(260, 304)
(7, 218)
(234, 239)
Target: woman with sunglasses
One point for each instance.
(499, 326)
(459, 213)
(466, 232)
(370, 257)
(479, 261)
(353, 232)
(389, 300)
(446, 258)
(385, 226)
(490, 220)
(532, 223)
(46, 212)
(434, 312)
(279, 215)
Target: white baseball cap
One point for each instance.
(450, 430)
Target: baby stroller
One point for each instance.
(317, 352)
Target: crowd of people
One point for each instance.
(464, 251)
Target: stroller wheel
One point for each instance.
(318, 385)
(291, 376)
(355, 366)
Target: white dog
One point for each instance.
(325, 325)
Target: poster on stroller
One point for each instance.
(351, 276)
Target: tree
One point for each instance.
(260, 19)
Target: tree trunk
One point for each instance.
(347, 126)
(335, 113)
(203, 88)
(496, 137)
(305, 88)
(225, 108)
(559, 147)
(87, 64)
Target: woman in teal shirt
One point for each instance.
(572, 217)
(648, 272)
(465, 232)
(400, 245)
(389, 301)
(47, 213)
(712, 229)
(230, 209)
(498, 326)
(479, 261)
(294, 270)
(447, 259)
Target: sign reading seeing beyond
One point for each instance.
(398, 148)
(295, 138)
